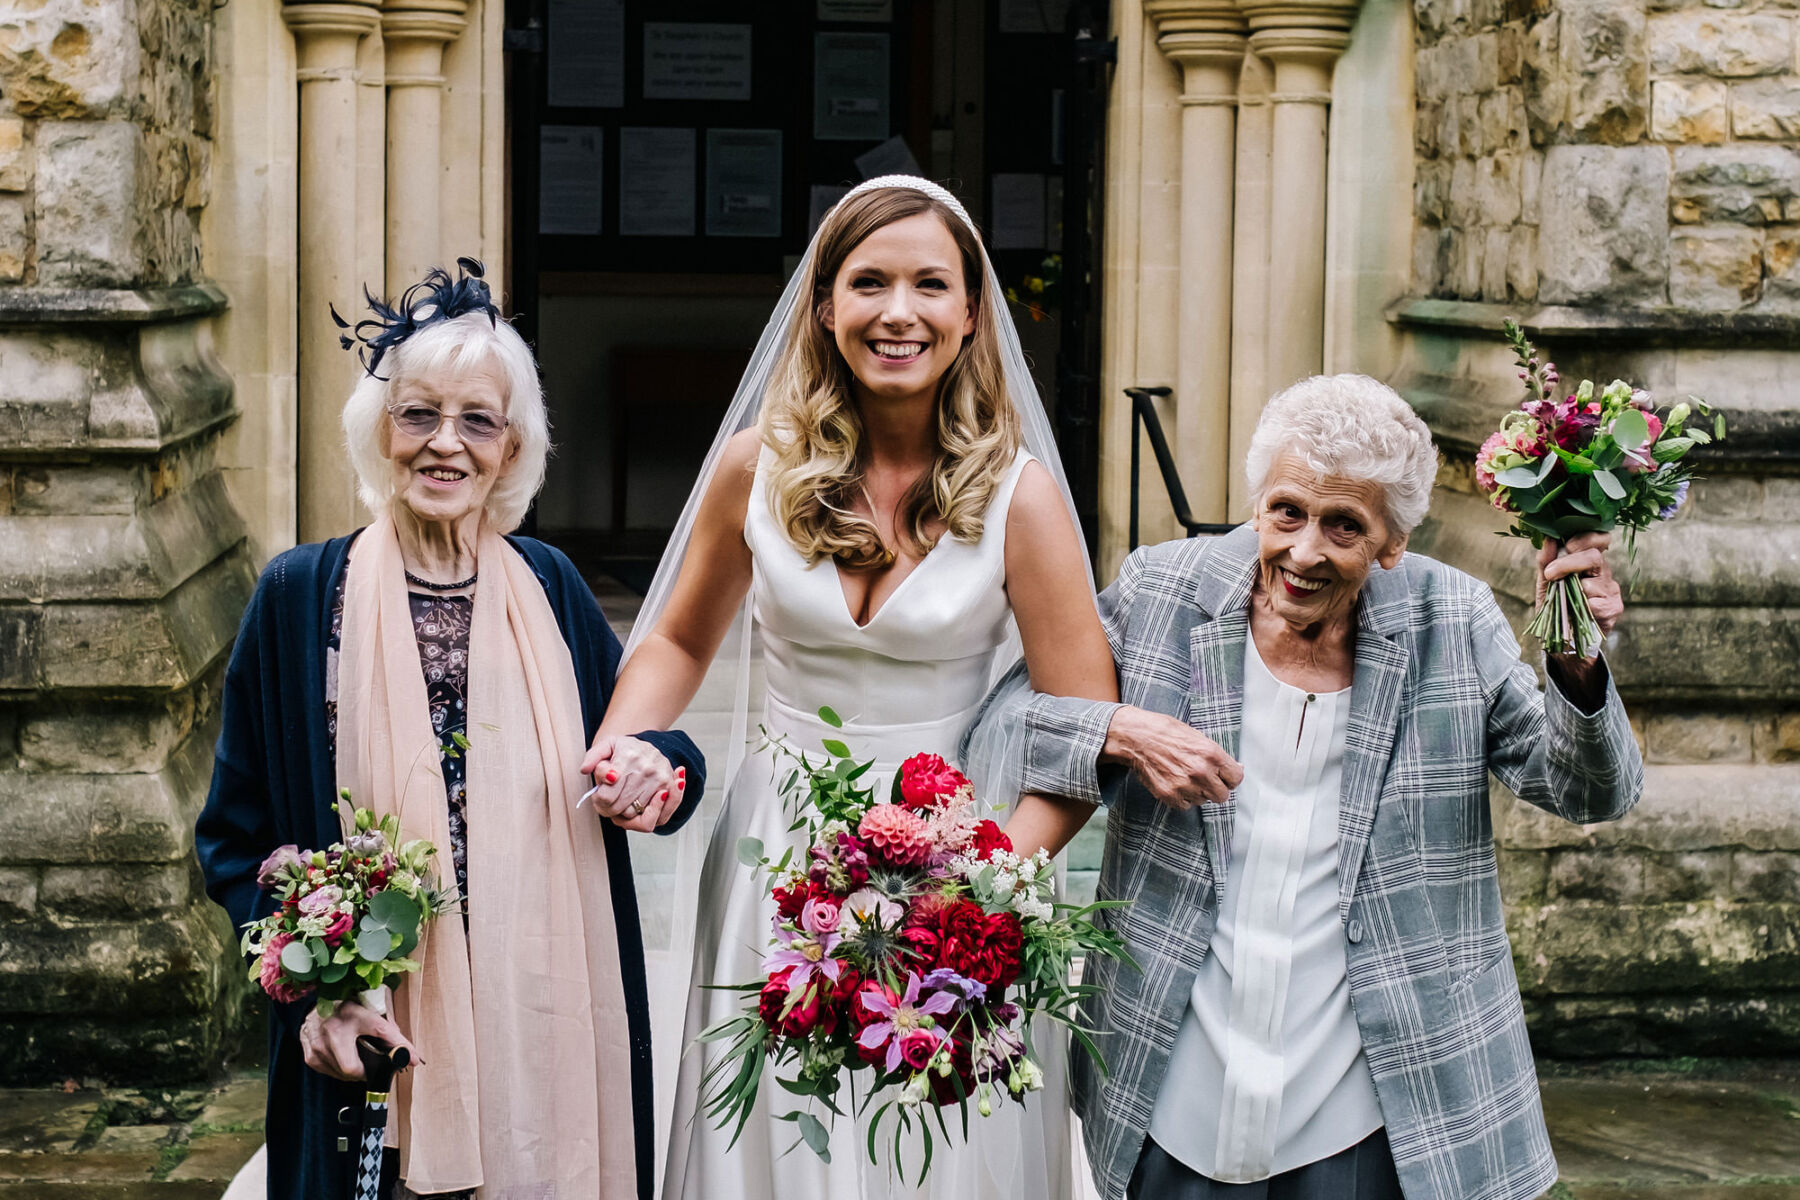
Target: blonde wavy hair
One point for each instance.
(811, 422)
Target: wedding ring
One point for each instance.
(637, 810)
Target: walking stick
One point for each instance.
(381, 1062)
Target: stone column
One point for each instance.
(326, 40)
(1206, 38)
(123, 564)
(414, 34)
(1302, 41)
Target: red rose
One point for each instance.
(790, 901)
(924, 944)
(917, 1049)
(814, 1011)
(998, 963)
(844, 991)
(774, 995)
(989, 838)
(340, 925)
(926, 781)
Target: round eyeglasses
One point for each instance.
(472, 424)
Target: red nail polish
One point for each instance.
(612, 777)
(661, 796)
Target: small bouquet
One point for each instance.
(909, 943)
(347, 917)
(1597, 459)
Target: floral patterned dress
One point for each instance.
(441, 625)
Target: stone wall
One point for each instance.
(1638, 152)
(1623, 176)
(122, 562)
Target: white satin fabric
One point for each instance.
(908, 681)
(1268, 1071)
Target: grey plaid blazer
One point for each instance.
(1440, 699)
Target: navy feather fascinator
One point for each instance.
(436, 298)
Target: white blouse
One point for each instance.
(1268, 1072)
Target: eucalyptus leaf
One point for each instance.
(393, 909)
(1581, 506)
(1517, 477)
(836, 748)
(1609, 483)
(297, 959)
(1545, 466)
(321, 953)
(750, 851)
(372, 945)
(1630, 430)
(816, 1137)
(334, 973)
(829, 715)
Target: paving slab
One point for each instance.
(217, 1157)
(1657, 1132)
(41, 1119)
(237, 1105)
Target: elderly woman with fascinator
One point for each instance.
(443, 671)
(1297, 808)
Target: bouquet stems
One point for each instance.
(1563, 622)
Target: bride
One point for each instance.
(893, 516)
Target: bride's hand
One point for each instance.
(634, 785)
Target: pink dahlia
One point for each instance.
(280, 992)
(900, 837)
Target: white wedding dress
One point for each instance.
(908, 681)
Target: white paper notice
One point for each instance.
(656, 182)
(692, 61)
(586, 48)
(856, 10)
(892, 157)
(819, 202)
(743, 183)
(1033, 16)
(570, 177)
(850, 87)
(1018, 213)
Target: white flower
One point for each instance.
(914, 1091)
(866, 906)
(1028, 871)
(1004, 882)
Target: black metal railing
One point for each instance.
(1143, 414)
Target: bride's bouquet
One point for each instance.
(347, 917)
(1595, 460)
(910, 944)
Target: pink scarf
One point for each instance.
(524, 1089)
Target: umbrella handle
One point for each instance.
(381, 1062)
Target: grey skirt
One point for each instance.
(1364, 1171)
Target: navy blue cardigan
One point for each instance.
(274, 782)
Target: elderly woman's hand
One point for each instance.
(328, 1044)
(635, 787)
(1584, 555)
(1176, 763)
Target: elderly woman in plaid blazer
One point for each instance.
(1296, 787)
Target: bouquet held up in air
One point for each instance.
(347, 917)
(910, 946)
(1589, 461)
